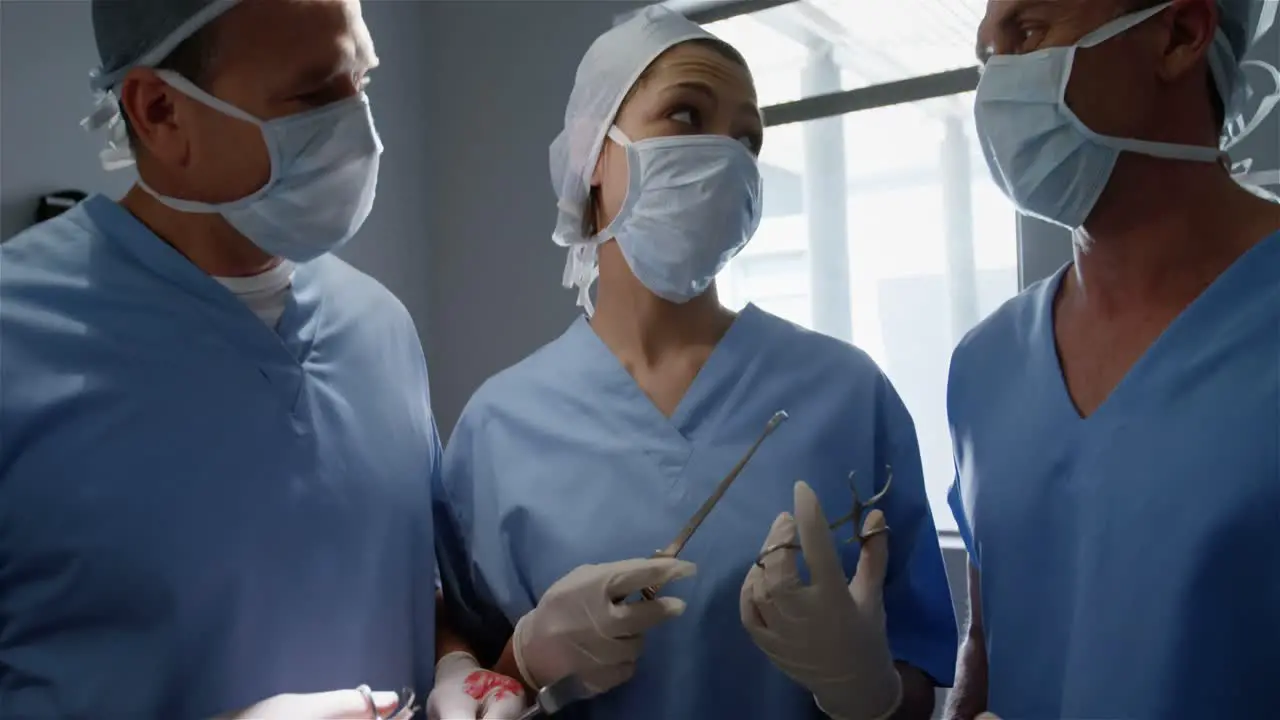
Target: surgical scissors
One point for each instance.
(673, 550)
(855, 516)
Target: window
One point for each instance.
(882, 226)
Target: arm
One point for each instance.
(507, 665)
(969, 698)
(468, 618)
(917, 694)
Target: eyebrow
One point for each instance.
(1010, 11)
(322, 73)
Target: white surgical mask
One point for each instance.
(324, 173)
(1049, 163)
(693, 202)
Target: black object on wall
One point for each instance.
(56, 203)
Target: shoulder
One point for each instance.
(534, 379)
(357, 307)
(339, 279)
(800, 347)
(64, 273)
(1014, 327)
(53, 254)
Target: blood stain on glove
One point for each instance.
(483, 683)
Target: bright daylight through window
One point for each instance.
(882, 226)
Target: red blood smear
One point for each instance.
(482, 683)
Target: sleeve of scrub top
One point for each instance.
(956, 503)
(426, 631)
(470, 610)
(955, 500)
(919, 615)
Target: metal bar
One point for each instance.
(709, 11)
(826, 202)
(925, 87)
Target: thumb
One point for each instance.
(873, 562)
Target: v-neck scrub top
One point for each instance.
(1130, 560)
(562, 460)
(197, 511)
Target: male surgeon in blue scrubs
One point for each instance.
(1117, 426)
(216, 445)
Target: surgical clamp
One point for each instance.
(856, 516)
(673, 550)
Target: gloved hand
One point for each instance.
(583, 626)
(335, 705)
(828, 636)
(466, 691)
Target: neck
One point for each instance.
(1162, 232)
(643, 328)
(204, 239)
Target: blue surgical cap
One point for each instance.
(141, 33)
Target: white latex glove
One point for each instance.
(335, 705)
(583, 626)
(466, 691)
(828, 636)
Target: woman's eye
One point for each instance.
(683, 116)
(1030, 37)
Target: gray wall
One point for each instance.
(496, 292)
(47, 50)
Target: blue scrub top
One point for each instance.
(562, 460)
(1130, 561)
(197, 512)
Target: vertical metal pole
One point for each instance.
(957, 203)
(826, 204)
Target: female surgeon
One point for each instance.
(588, 455)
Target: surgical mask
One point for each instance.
(324, 172)
(693, 202)
(1048, 162)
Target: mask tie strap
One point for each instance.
(106, 115)
(1265, 107)
(581, 271)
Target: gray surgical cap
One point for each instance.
(137, 33)
(1242, 23)
(141, 33)
(612, 65)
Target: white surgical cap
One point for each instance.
(137, 33)
(612, 65)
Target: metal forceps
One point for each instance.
(855, 516)
(404, 711)
(673, 550)
(554, 697)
